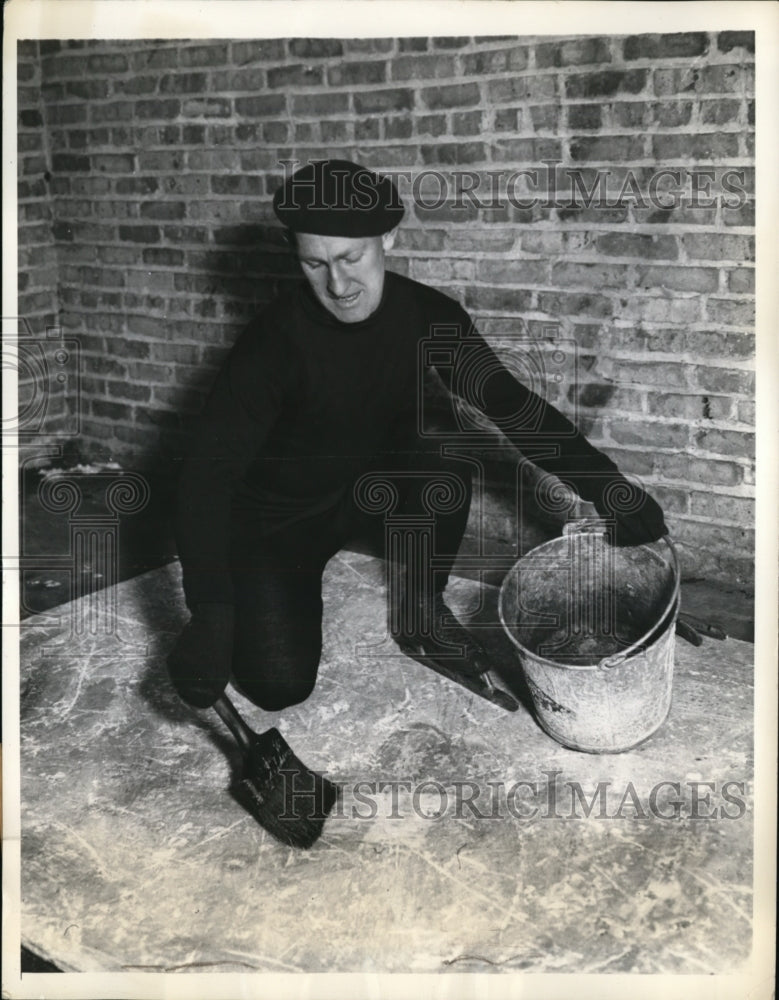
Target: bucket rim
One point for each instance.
(609, 661)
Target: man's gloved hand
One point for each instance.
(639, 518)
(199, 664)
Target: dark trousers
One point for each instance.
(278, 575)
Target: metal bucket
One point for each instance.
(594, 626)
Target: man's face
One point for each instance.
(346, 274)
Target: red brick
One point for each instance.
(454, 153)
(719, 246)
(236, 184)
(743, 215)
(572, 53)
(520, 151)
(672, 114)
(683, 279)
(729, 40)
(607, 83)
(335, 131)
(30, 118)
(724, 380)
(716, 507)
(128, 390)
(186, 234)
(112, 411)
(720, 539)
(186, 354)
(164, 55)
(608, 148)
(53, 67)
(745, 410)
(238, 80)
(140, 234)
(520, 272)
(260, 106)
(204, 55)
(441, 269)
(700, 146)
(449, 42)
(520, 88)
(134, 86)
(394, 128)
(419, 239)
(725, 79)
(118, 255)
(212, 159)
(637, 245)
(478, 297)
(491, 61)
(731, 312)
(586, 115)
(206, 108)
(742, 280)
(690, 407)
(632, 461)
(575, 304)
(687, 469)
(317, 105)
(720, 344)
(100, 63)
(112, 112)
(304, 132)
(315, 48)
(348, 74)
(151, 373)
(740, 444)
(418, 68)
(183, 83)
(458, 95)
(652, 434)
(113, 163)
(366, 45)
(382, 101)
(720, 112)
(157, 108)
(258, 50)
(102, 276)
(654, 47)
(69, 162)
(296, 76)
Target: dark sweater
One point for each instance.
(304, 401)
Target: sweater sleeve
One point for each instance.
(540, 431)
(226, 438)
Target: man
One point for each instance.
(319, 391)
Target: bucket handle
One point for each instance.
(592, 526)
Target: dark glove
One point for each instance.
(634, 517)
(199, 664)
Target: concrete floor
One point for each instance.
(135, 857)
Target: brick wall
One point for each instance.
(163, 156)
(42, 402)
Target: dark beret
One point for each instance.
(338, 198)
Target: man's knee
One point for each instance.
(273, 695)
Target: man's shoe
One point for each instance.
(447, 647)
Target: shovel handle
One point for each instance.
(228, 713)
